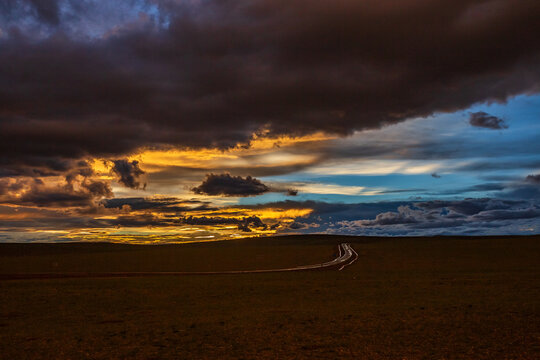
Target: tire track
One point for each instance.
(347, 255)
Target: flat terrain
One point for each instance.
(408, 298)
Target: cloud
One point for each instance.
(40, 166)
(54, 197)
(210, 74)
(297, 226)
(484, 120)
(244, 223)
(128, 173)
(496, 215)
(514, 188)
(499, 164)
(292, 192)
(227, 185)
(161, 204)
(46, 10)
(525, 189)
(459, 217)
(74, 192)
(535, 179)
(469, 206)
(486, 187)
(404, 215)
(98, 188)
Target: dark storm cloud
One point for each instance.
(128, 173)
(227, 185)
(216, 71)
(484, 120)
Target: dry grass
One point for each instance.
(404, 299)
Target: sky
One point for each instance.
(163, 121)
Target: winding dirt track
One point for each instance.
(346, 257)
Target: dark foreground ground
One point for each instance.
(428, 298)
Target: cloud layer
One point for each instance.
(460, 217)
(209, 74)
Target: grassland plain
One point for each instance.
(405, 298)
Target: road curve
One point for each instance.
(346, 256)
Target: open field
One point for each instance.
(412, 298)
(245, 254)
